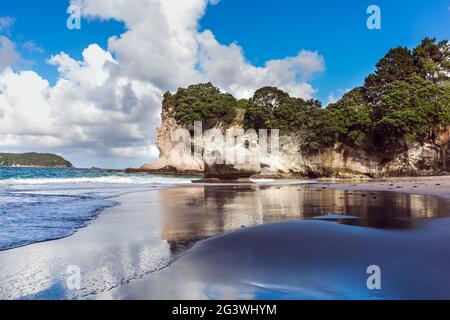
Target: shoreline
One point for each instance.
(151, 234)
(103, 250)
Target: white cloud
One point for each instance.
(31, 46)
(332, 99)
(337, 95)
(109, 107)
(8, 53)
(91, 108)
(169, 51)
(136, 152)
(6, 23)
(226, 67)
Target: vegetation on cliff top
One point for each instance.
(202, 102)
(33, 160)
(405, 100)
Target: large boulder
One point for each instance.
(231, 172)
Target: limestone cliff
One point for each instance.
(165, 145)
(341, 161)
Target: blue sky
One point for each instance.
(265, 30)
(103, 109)
(336, 29)
(43, 22)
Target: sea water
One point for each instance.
(41, 204)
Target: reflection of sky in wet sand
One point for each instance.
(300, 259)
(122, 244)
(133, 240)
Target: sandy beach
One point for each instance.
(249, 241)
(437, 186)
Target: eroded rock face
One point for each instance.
(339, 162)
(168, 158)
(229, 159)
(344, 162)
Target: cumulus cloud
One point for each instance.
(108, 104)
(226, 67)
(169, 51)
(91, 107)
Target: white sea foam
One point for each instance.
(282, 181)
(100, 180)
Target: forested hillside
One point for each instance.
(33, 160)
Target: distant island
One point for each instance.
(40, 160)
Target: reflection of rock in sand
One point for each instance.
(195, 213)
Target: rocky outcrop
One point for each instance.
(420, 159)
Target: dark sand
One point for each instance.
(306, 260)
(324, 257)
(291, 241)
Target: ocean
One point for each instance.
(267, 240)
(41, 204)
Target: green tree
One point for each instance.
(433, 59)
(262, 105)
(351, 118)
(409, 111)
(203, 102)
(397, 64)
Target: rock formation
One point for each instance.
(396, 124)
(341, 161)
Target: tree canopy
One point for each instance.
(406, 97)
(202, 102)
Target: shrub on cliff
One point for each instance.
(272, 108)
(351, 118)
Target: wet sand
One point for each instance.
(438, 186)
(305, 260)
(122, 244)
(245, 242)
(323, 257)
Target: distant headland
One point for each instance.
(32, 159)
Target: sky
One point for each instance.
(94, 95)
